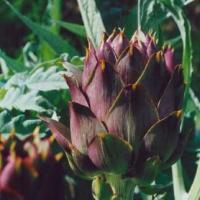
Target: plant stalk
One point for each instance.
(123, 189)
(178, 182)
(55, 12)
(139, 16)
(194, 193)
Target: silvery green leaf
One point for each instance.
(92, 20)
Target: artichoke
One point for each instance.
(30, 171)
(125, 110)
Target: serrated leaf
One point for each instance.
(15, 98)
(20, 123)
(46, 80)
(152, 15)
(72, 27)
(92, 20)
(39, 80)
(57, 43)
(22, 89)
(12, 65)
(78, 61)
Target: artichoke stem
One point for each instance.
(123, 189)
(178, 182)
(194, 192)
(101, 189)
(112, 187)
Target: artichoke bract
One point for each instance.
(125, 109)
(29, 170)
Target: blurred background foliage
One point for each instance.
(37, 38)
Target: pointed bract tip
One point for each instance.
(179, 113)
(131, 49)
(87, 54)
(135, 86)
(36, 131)
(18, 163)
(12, 133)
(158, 56)
(1, 138)
(58, 156)
(103, 37)
(90, 45)
(52, 139)
(12, 148)
(122, 33)
(102, 134)
(103, 65)
(114, 31)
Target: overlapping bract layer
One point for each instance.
(125, 110)
(29, 170)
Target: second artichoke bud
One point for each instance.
(29, 170)
(125, 110)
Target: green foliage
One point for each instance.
(131, 22)
(92, 20)
(22, 89)
(77, 29)
(11, 120)
(55, 42)
(11, 65)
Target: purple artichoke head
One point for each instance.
(125, 109)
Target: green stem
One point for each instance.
(194, 193)
(55, 12)
(178, 182)
(123, 189)
(139, 15)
